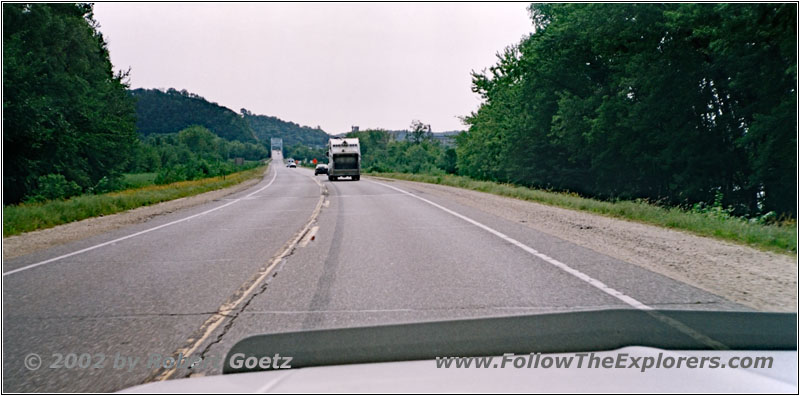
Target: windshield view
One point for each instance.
(399, 197)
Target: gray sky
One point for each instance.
(333, 65)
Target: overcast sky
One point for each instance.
(332, 65)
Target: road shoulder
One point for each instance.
(761, 280)
(34, 241)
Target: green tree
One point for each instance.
(419, 132)
(199, 140)
(750, 51)
(65, 112)
(679, 103)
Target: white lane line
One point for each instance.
(578, 274)
(27, 267)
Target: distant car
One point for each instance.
(321, 169)
(291, 165)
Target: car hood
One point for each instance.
(424, 377)
(403, 357)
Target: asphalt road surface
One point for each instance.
(293, 252)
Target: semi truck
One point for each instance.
(344, 158)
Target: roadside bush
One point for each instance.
(108, 184)
(169, 175)
(53, 186)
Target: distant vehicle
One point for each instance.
(321, 169)
(291, 165)
(344, 158)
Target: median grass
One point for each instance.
(35, 216)
(780, 238)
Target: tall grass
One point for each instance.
(138, 180)
(35, 216)
(780, 238)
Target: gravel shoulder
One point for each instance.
(762, 280)
(20, 245)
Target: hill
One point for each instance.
(172, 110)
(266, 127)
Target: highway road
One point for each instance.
(293, 252)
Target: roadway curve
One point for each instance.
(382, 252)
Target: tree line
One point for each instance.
(172, 110)
(675, 103)
(167, 111)
(680, 104)
(193, 153)
(71, 125)
(67, 117)
(418, 152)
(691, 105)
(266, 127)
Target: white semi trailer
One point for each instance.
(344, 158)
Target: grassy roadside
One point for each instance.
(35, 216)
(137, 180)
(774, 238)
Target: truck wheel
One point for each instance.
(356, 178)
(330, 178)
